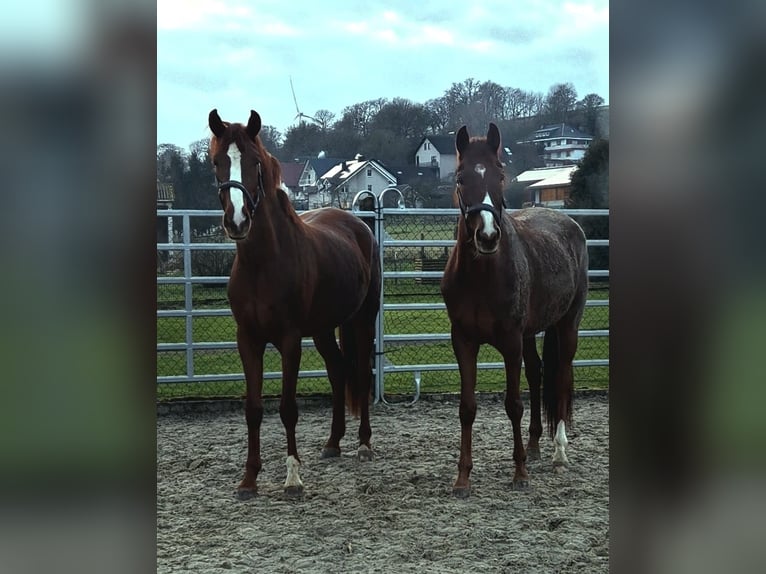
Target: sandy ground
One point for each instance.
(394, 514)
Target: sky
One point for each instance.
(238, 55)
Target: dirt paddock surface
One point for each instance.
(394, 514)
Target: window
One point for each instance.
(369, 187)
(369, 172)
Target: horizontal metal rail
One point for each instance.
(188, 245)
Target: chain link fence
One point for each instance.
(197, 355)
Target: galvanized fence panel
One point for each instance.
(196, 349)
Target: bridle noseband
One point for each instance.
(497, 214)
(252, 204)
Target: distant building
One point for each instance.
(338, 185)
(437, 152)
(547, 186)
(291, 174)
(559, 144)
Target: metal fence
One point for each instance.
(196, 349)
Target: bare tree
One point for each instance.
(324, 118)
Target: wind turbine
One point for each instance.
(300, 115)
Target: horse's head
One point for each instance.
(239, 160)
(479, 177)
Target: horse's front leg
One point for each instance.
(511, 350)
(251, 352)
(290, 349)
(466, 352)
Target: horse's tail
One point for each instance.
(357, 340)
(550, 366)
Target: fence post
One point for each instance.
(377, 232)
(188, 303)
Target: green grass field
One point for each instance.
(398, 227)
(225, 361)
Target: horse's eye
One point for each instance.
(459, 180)
(215, 162)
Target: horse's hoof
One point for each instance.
(246, 493)
(521, 484)
(364, 453)
(294, 491)
(461, 491)
(328, 452)
(533, 453)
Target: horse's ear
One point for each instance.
(253, 124)
(461, 140)
(215, 123)
(493, 137)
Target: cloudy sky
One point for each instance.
(237, 55)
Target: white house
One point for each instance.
(439, 152)
(344, 180)
(560, 144)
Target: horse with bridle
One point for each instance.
(509, 277)
(293, 277)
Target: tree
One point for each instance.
(324, 118)
(590, 190)
(303, 139)
(271, 138)
(560, 102)
(590, 106)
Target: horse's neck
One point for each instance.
(274, 230)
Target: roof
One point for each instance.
(321, 165)
(291, 172)
(443, 144)
(346, 169)
(553, 131)
(547, 177)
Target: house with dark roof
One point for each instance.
(436, 151)
(313, 169)
(291, 173)
(559, 144)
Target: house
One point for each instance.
(547, 186)
(437, 152)
(291, 173)
(338, 185)
(559, 144)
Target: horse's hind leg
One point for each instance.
(327, 347)
(361, 380)
(532, 368)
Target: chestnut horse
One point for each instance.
(508, 278)
(294, 276)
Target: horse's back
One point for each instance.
(557, 259)
(343, 224)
